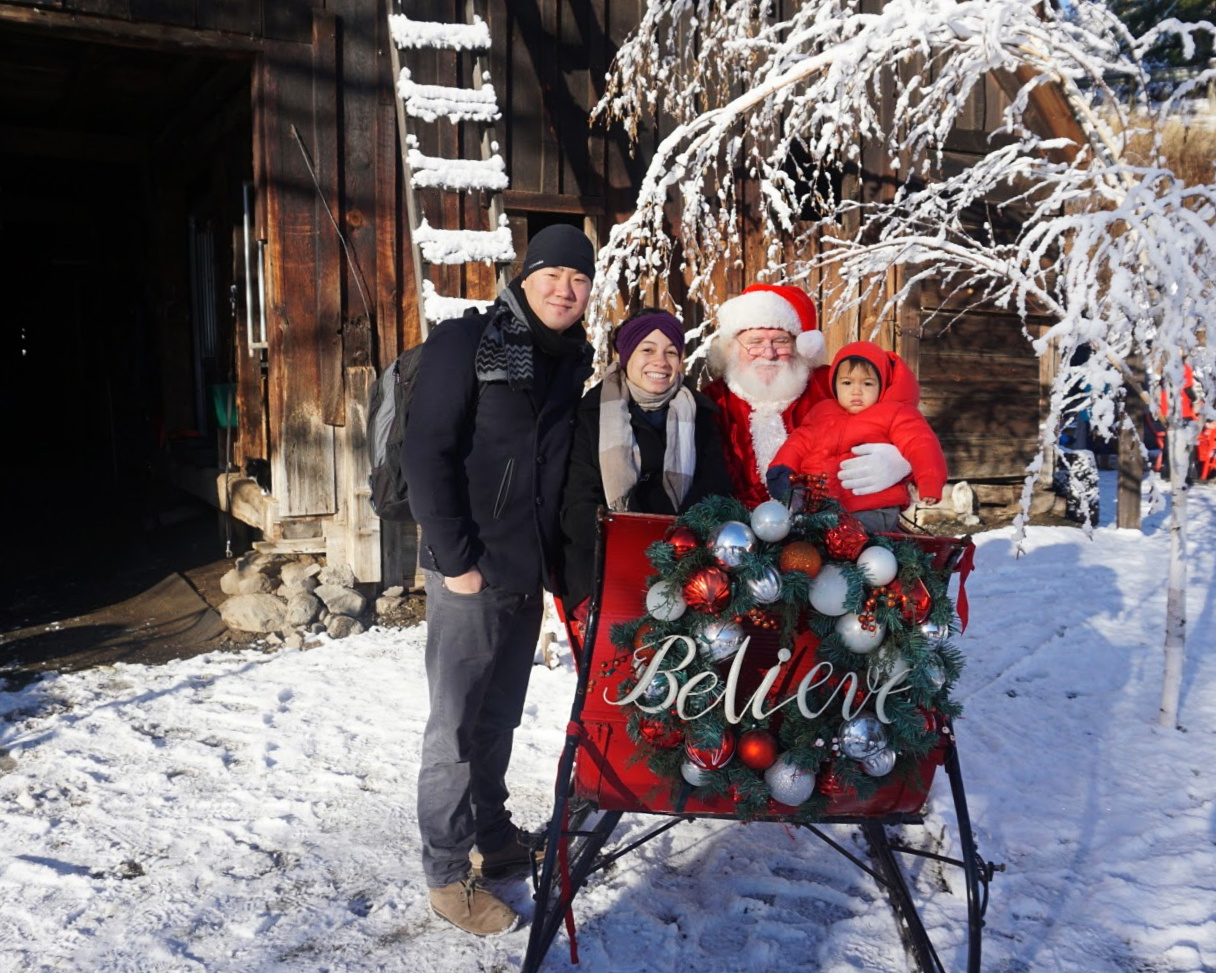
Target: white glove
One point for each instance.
(873, 468)
(812, 346)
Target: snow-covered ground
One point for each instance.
(255, 812)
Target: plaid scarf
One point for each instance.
(620, 457)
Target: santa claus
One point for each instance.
(770, 359)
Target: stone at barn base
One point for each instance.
(302, 610)
(340, 600)
(340, 626)
(254, 612)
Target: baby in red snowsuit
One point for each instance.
(876, 401)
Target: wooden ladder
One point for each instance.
(431, 241)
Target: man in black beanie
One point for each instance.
(485, 456)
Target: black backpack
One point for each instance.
(387, 413)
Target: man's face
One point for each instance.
(557, 295)
(765, 365)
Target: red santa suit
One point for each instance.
(829, 433)
(752, 432)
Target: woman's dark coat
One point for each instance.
(584, 491)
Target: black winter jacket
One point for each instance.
(485, 464)
(584, 491)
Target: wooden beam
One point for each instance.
(124, 33)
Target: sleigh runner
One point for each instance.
(720, 687)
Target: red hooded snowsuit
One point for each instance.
(828, 434)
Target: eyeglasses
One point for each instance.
(755, 346)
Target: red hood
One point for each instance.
(898, 382)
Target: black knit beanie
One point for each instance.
(559, 245)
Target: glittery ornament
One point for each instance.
(664, 603)
(644, 636)
(847, 539)
(659, 734)
(683, 540)
(857, 636)
(708, 590)
(879, 764)
(827, 782)
(862, 736)
(767, 588)
(830, 590)
(789, 783)
(771, 521)
(720, 639)
(878, 565)
(711, 758)
(695, 775)
(801, 556)
(729, 542)
(757, 749)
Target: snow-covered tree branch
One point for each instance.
(1086, 223)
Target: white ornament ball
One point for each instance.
(767, 588)
(789, 783)
(771, 521)
(862, 737)
(829, 590)
(878, 565)
(720, 639)
(856, 637)
(879, 764)
(697, 776)
(665, 602)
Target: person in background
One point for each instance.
(876, 398)
(766, 354)
(643, 441)
(485, 454)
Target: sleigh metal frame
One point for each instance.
(583, 822)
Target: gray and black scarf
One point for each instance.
(504, 353)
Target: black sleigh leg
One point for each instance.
(942, 951)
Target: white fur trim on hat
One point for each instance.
(812, 346)
(757, 309)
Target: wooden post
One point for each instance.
(1131, 456)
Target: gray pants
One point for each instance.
(879, 520)
(479, 651)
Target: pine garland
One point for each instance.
(915, 712)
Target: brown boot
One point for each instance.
(471, 907)
(516, 857)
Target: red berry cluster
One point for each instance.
(761, 619)
(887, 596)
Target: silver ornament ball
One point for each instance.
(856, 637)
(862, 736)
(879, 764)
(771, 521)
(789, 783)
(935, 672)
(697, 776)
(934, 633)
(767, 588)
(729, 542)
(720, 639)
(656, 690)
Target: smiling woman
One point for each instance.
(643, 441)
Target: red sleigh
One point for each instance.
(599, 778)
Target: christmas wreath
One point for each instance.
(866, 619)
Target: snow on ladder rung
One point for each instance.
(464, 246)
(459, 175)
(432, 101)
(437, 308)
(428, 34)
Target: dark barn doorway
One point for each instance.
(121, 173)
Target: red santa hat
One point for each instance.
(773, 306)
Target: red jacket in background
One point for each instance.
(828, 433)
(734, 418)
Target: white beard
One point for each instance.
(769, 388)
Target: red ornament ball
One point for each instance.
(920, 602)
(708, 590)
(644, 636)
(711, 758)
(659, 734)
(683, 540)
(801, 556)
(757, 749)
(847, 539)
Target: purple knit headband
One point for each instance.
(634, 331)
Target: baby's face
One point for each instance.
(856, 389)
